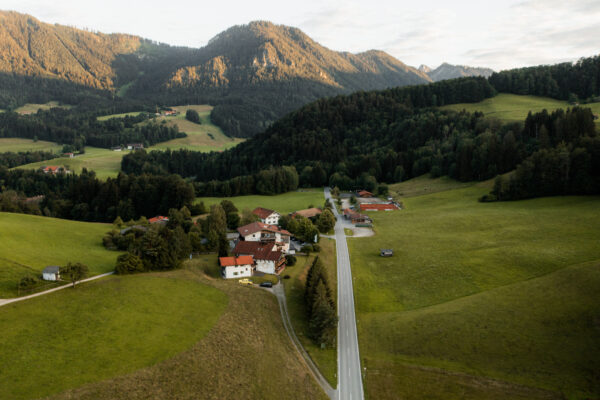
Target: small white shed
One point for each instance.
(51, 273)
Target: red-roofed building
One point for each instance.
(236, 267)
(260, 232)
(267, 216)
(159, 219)
(364, 193)
(53, 169)
(378, 207)
(266, 257)
(356, 218)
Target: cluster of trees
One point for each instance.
(566, 81)
(11, 159)
(193, 116)
(572, 168)
(320, 305)
(78, 128)
(11, 201)
(85, 197)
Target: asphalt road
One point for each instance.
(350, 385)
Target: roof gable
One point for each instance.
(262, 213)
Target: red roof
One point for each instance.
(377, 207)
(259, 227)
(258, 250)
(158, 218)
(364, 193)
(235, 261)
(51, 168)
(262, 213)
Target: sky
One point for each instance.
(501, 34)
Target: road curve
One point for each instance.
(350, 385)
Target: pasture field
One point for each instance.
(325, 359)
(514, 108)
(246, 354)
(101, 329)
(122, 115)
(425, 185)
(106, 163)
(282, 203)
(497, 300)
(29, 243)
(16, 145)
(30, 108)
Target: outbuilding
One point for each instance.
(51, 273)
(386, 252)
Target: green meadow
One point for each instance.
(16, 145)
(283, 203)
(497, 300)
(30, 243)
(325, 359)
(30, 108)
(101, 329)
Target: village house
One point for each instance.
(261, 232)
(70, 155)
(159, 219)
(135, 146)
(267, 258)
(355, 217)
(378, 207)
(51, 273)
(53, 169)
(365, 194)
(236, 267)
(116, 148)
(267, 216)
(170, 113)
(307, 213)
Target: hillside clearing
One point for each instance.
(283, 203)
(31, 108)
(30, 243)
(503, 291)
(17, 145)
(101, 329)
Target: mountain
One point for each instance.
(253, 74)
(425, 69)
(449, 71)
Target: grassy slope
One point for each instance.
(283, 203)
(31, 243)
(513, 108)
(325, 359)
(477, 291)
(425, 185)
(100, 330)
(16, 145)
(32, 108)
(246, 355)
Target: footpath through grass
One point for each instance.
(283, 203)
(325, 359)
(100, 330)
(30, 243)
(497, 300)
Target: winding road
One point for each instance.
(350, 385)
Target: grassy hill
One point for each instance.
(102, 329)
(514, 108)
(480, 300)
(31, 108)
(16, 145)
(283, 203)
(31, 243)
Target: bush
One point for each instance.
(129, 264)
(286, 277)
(27, 282)
(290, 260)
(192, 116)
(316, 248)
(307, 248)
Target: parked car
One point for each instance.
(246, 281)
(266, 284)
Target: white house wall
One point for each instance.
(240, 271)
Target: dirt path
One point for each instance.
(4, 302)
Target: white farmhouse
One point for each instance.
(236, 267)
(267, 216)
(260, 232)
(267, 258)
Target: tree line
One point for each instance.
(320, 305)
(84, 197)
(11, 160)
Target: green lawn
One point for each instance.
(283, 203)
(33, 108)
(513, 108)
(106, 163)
(325, 359)
(16, 145)
(100, 330)
(425, 185)
(497, 300)
(122, 115)
(30, 243)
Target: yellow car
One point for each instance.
(246, 281)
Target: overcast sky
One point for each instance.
(500, 34)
